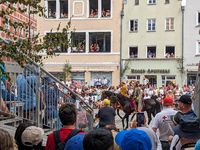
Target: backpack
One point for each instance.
(61, 145)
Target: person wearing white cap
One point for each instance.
(32, 138)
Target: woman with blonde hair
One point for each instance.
(7, 142)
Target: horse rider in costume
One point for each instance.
(137, 96)
(124, 89)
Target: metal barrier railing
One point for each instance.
(30, 97)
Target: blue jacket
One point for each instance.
(25, 92)
(191, 113)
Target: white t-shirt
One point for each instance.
(174, 141)
(146, 90)
(163, 122)
(150, 93)
(147, 97)
(68, 83)
(145, 81)
(130, 92)
(161, 91)
(104, 81)
(87, 98)
(156, 92)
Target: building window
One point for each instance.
(27, 32)
(167, 1)
(15, 5)
(136, 2)
(169, 52)
(35, 32)
(198, 47)
(60, 49)
(31, 9)
(78, 42)
(106, 9)
(35, 16)
(151, 24)
(21, 6)
(169, 24)
(26, 12)
(151, 52)
(198, 18)
(151, 1)
(168, 79)
(52, 9)
(134, 78)
(21, 31)
(7, 3)
(14, 27)
(63, 8)
(100, 41)
(133, 52)
(31, 32)
(133, 25)
(93, 8)
(7, 25)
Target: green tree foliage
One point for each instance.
(66, 71)
(30, 46)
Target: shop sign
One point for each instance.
(150, 71)
(193, 64)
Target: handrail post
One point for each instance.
(38, 97)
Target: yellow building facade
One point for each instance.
(96, 22)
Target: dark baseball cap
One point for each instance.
(176, 118)
(185, 99)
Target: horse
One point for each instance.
(149, 106)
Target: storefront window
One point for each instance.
(78, 76)
(191, 79)
(167, 79)
(134, 78)
(108, 76)
(100, 41)
(78, 42)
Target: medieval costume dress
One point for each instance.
(137, 94)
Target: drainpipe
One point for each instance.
(122, 15)
(183, 4)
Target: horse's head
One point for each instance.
(106, 94)
(103, 95)
(113, 98)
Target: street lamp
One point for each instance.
(183, 5)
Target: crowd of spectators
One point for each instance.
(177, 129)
(184, 134)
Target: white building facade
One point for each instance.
(191, 40)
